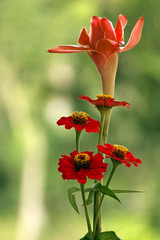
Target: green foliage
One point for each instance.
(72, 198)
(107, 236)
(105, 190)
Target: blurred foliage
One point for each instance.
(37, 88)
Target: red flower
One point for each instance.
(104, 101)
(120, 154)
(81, 165)
(80, 121)
(103, 41)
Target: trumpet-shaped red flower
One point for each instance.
(104, 101)
(80, 121)
(82, 165)
(103, 41)
(120, 154)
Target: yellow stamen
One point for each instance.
(120, 151)
(81, 161)
(103, 96)
(82, 158)
(80, 117)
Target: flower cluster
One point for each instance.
(103, 43)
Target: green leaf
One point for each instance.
(96, 185)
(90, 197)
(105, 190)
(86, 237)
(127, 191)
(107, 236)
(72, 198)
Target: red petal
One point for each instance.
(109, 147)
(102, 149)
(69, 49)
(135, 35)
(79, 128)
(72, 154)
(121, 23)
(123, 19)
(92, 126)
(83, 38)
(106, 47)
(95, 32)
(108, 29)
(99, 60)
(98, 157)
(119, 31)
(67, 121)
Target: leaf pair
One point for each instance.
(96, 187)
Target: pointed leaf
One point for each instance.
(86, 237)
(72, 198)
(90, 197)
(96, 185)
(105, 190)
(127, 191)
(109, 235)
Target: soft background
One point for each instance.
(37, 88)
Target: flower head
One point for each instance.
(82, 165)
(80, 121)
(104, 101)
(120, 154)
(103, 41)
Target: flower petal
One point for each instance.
(123, 19)
(69, 49)
(92, 126)
(67, 121)
(108, 29)
(84, 38)
(135, 35)
(121, 23)
(106, 47)
(95, 32)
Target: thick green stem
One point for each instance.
(86, 211)
(97, 195)
(103, 114)
(82, 189)
(101, 201)
(106, 125)
(77, 140)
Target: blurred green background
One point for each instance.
(37, 88)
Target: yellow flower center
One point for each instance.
(120, 151)
(80, 117)
(81, 161)
(103, 96)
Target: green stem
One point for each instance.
(97, 195)
(100, 204)
(106, 125)
(103, 114)
(86, 211)
(82, 189)
(77, 140)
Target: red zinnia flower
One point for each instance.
(103, 41)
(81, 165)
(120, 154)
(80, 121)
(104, 101)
